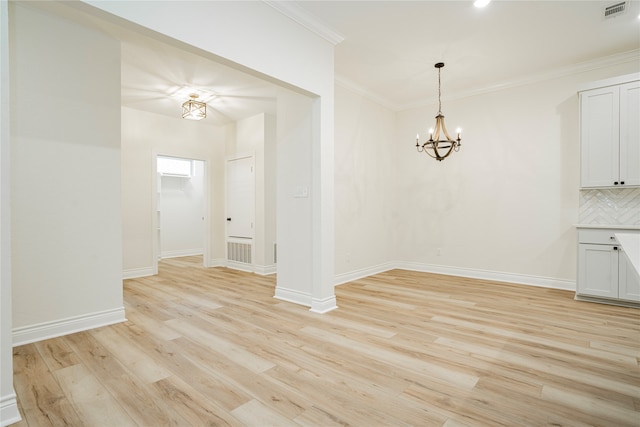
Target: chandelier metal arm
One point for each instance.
(434, 146)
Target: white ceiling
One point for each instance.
(389, 49)
(158, 78)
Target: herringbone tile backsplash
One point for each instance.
(616, 206)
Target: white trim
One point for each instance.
(613, 81)
(242, 266)
(307, 20)
(291, 295)
(133, 273)
(496, 276)
(181, 253)
(265, 270)
(9, 412)
(363, 272)
(366, 93)
(607, 61)
(57, 328)
(217, 262)
(610, 301)
(324, 305)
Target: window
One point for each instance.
(174, 166)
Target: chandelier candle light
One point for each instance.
(194, 110)
(435, 147)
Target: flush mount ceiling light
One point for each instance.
(435, 147)
(194, 110)
(481, 3)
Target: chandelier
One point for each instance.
(435, 147)
(194, 110)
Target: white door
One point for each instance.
(240, 197)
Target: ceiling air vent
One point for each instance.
(615, 9)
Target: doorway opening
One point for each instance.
(182, 209)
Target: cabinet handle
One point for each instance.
(615, 248)
(615, 183)
(621, 182)
(612, 237)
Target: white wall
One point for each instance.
(507, 202)
(504, 207)
(182, 210)
(65, 207)
(366, 170)
(144, 136)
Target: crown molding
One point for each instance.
(356, 88)
(581, 67)
(306, 19)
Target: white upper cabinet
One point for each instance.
(630, 133)
(610, 134)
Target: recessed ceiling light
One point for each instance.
(481, 3)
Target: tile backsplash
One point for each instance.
(616, 206)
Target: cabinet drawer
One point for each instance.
(600, 236)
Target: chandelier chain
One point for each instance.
(439, 93)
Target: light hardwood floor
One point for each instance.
(208, 347)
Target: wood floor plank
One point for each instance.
(255, 413)
(90, 398)
(213, 347)
(143, 404)
(42, 400)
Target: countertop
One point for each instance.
(631, 245)
(610, 227)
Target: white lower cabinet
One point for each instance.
(604, 268)
(628, 280)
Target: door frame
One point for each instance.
(155, 225)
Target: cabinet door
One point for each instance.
(630, 133)
(598, 272)
(628, 279)
(599, 137)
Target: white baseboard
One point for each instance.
(133, 273)
(57, 328)
(291, 295)
(217, 262)
(497, 276)
(265, 270)
(363, 272)
(324, 305)
(182, 252)
(9, 412)
(234, 265)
